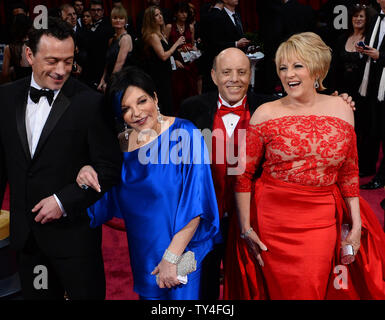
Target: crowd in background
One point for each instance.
(177, 49)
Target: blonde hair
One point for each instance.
(119, 12)
(150, 26)
(311, 50)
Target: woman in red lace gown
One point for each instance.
(286, 242)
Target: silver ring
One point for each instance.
(84, 186)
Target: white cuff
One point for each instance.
(60, 206)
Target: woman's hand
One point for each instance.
(179, 64)
(255, 246)
(167, 273)
(87, 177)
(180, 41)
(353, 238)
(102, 86)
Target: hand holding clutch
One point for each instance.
(185, 264)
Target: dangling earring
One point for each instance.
(160, 117)
(316, 84)
(125, 131)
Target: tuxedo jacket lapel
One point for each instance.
(21, 105)
(59, 106)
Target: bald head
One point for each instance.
(231, 73)
(232, 54)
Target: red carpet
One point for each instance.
(117, 261)
(115, 252)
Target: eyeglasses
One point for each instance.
(360, 6)
(98, 9)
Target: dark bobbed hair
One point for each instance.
(57, 28)
(128, 77)
(353, 10)
(182, 7)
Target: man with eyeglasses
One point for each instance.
(101, 32)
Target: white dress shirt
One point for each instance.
(230, 120)
(36, 115)
(382, 32)
(230, 13)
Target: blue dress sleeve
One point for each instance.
(104, 209)
(198, 195)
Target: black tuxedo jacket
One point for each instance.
(201, 109)
(223, 32)
(97, 46)
(376, 66)
(75, 134)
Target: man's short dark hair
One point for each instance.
(57, 28)
(66, 6)
(73, 2)
(19, 5)
(96, 2)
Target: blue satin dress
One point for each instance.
(165, 184)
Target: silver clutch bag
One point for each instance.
(185, 266)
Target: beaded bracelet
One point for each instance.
(171, 257)
(244, 235)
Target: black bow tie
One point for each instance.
(36, 94)
(382, 16)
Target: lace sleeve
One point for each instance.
(250, 159)
(348, 180)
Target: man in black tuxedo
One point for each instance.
(373, 119)
(208, 18)
(97, 45)
(231, 74)
(69, 15)
(50, 126)
(226, 31)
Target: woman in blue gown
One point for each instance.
(166, 195)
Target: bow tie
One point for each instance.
(223, 110)
(382, 16)
(36, 94)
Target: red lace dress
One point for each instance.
(297, 209)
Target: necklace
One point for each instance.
(180, 28)
(356, 39)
